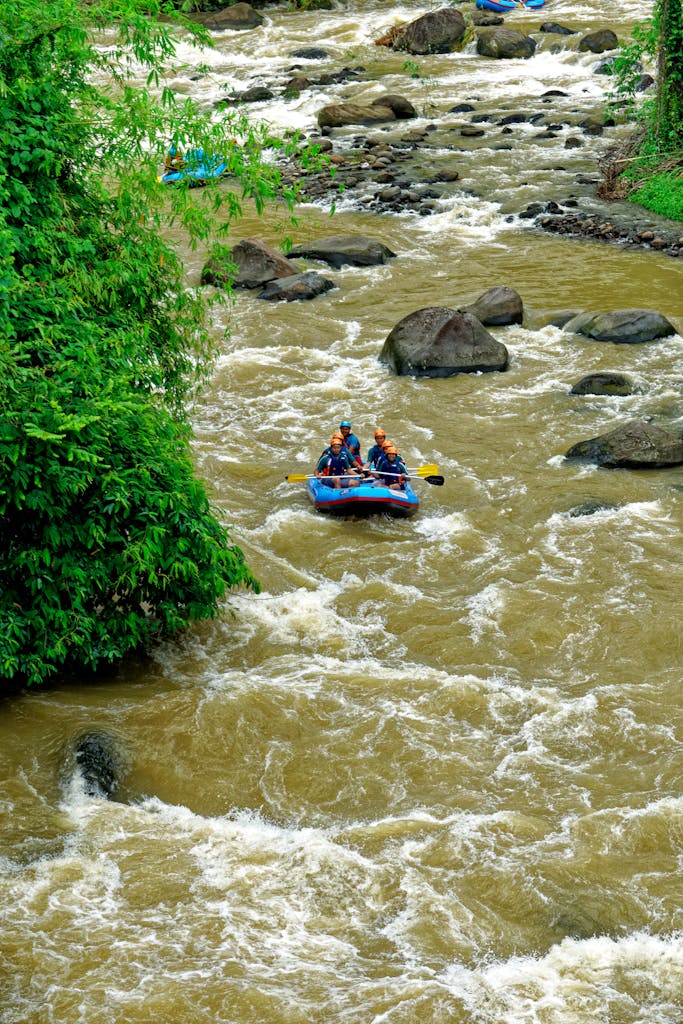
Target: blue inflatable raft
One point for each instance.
(364, 500)
(504, 6)
(195, 166)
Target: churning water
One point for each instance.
(433, 772)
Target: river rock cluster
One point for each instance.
(392, 169)
(396, 167)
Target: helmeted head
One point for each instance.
(380, 435)
(336, 443)
(390, 449)
(337, 436)
(345, 427)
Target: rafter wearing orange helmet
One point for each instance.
(375, 453)
(336, 467)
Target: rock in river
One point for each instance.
(622, 326)
(435, 32)
(631, 445)
(255, 263)
(296, 288)
(498, 306)
(237, 17)
(338, 250)
(605, 383)
(505, 42)
(439, 342)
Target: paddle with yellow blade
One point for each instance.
(427, 473)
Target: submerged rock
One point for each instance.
(439, 342)
(632, 445)
(100, 762)
(310, 53)
(589, 508)
(603, 384)
(557, 29)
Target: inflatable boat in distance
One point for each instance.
(504, 6)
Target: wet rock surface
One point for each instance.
(497, 307)
(617, 223)
(256, 264)
(99, 760)
(440, 342)
(298, 288)
(603, 384)
(622, 326)
(435, 32)
(632, 445)
(340, 250)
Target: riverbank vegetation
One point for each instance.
(650, 169)
(108, 541)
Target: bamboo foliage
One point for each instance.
(108, 541)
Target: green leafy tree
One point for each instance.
(668, 123)
(648, 167)
(661, 40)
(107, 540)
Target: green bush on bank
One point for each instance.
(108, 541)
(655, 152)
(662, 193)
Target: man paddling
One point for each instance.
(392, 471)
(376, 453)
(350, 441)
(336, 466)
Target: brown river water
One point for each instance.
(433, 772)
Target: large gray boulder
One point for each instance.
(631, 445)
(504, 42)
(254, 264)
(439, 342)
(297, 288)
(338, 250)
(436, 32)
(598, 42)
(336, 115)
(498, 306)
(622, 326)
(235, 18)
(402, 108)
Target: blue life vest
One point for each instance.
(375, 454)
(391, 472)
(330, 464)
(353, 444)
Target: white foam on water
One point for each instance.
(635, 978)
(443, 530)
(485, 608)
